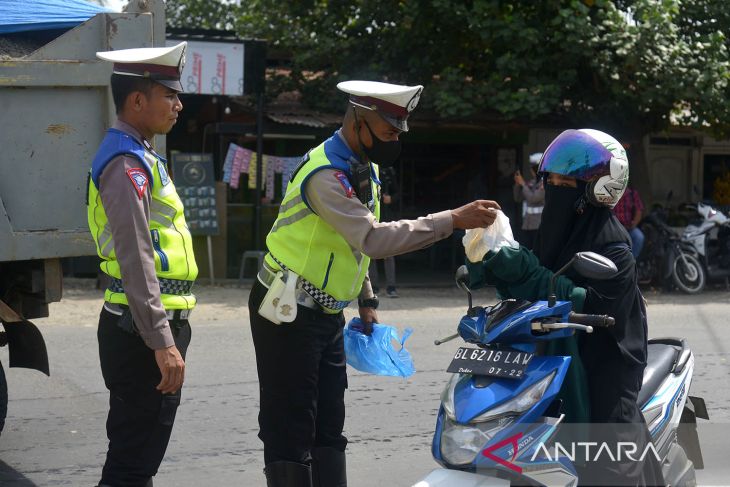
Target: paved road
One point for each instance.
(55, 431)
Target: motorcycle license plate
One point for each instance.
(496, 362)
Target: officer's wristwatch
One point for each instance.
(369, 303)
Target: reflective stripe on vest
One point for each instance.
(308, 245)
(171, 239)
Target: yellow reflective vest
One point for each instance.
(174, 259)
(305, 243)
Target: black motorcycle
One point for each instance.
(666, 260)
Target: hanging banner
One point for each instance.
(212, 68)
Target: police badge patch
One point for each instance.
(139, 180)
(164, 177)
(345, 183)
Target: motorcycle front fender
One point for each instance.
(691, 248)
(442, 477)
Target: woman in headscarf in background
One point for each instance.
(586, 173)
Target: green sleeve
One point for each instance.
(517, 273)
(477, 278)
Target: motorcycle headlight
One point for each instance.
(528, 398)
(447, 396)
(461, 443)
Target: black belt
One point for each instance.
(175, 287)
(321, 298)
(173, 315)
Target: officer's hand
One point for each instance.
(477, 214)
(172, 368)
(368, 316)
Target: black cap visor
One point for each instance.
(173, 84)
(397, 122)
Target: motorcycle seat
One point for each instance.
(660, 362)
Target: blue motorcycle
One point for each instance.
(499, 416)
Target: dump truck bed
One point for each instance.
(56, 104)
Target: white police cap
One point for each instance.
(392, 102)
(161, 64)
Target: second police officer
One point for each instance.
(319, 247)
(137, 222)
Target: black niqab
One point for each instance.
(569, 225)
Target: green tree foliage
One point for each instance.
(629, 67)
(202, 14)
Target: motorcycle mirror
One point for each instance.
(462, 278)
(587, 264)
(462, 282)
(594, 266)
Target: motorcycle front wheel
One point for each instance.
(688, 274)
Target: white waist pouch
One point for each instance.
(280, 303)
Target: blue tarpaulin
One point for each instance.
(25, 15)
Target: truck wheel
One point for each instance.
(3, 398)
(688, 274)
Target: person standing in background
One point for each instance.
(532, 196)
(387, 178)
(629, 211)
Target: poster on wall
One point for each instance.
(212, 68)
(195, 184)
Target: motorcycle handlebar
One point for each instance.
(600, 321)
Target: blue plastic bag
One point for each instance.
(375, 354)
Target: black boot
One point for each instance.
(329, 467)
(288, 474)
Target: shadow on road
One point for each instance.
(9, 477)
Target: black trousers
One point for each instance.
(302, 381)
(140, 418)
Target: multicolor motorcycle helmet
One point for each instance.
(591, 156)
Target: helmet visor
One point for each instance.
(576, 154)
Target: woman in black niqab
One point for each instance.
(615, 358)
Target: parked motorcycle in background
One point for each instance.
(667, 259)
(710, 239)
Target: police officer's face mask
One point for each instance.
(384, 153)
